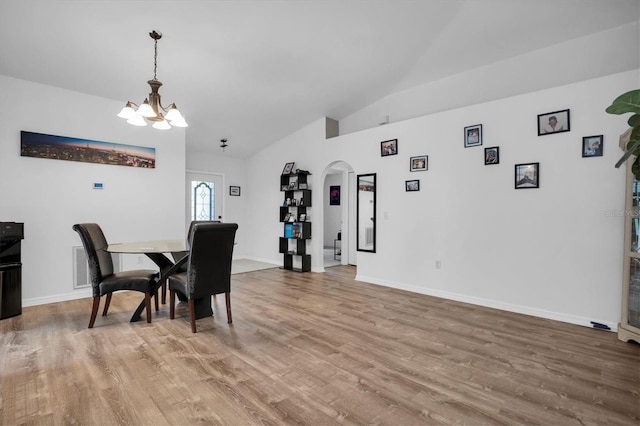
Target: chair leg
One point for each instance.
(227, 297)
(192, 315)
(155, 299)
(147, 305)
(107, 303)
(94, 310)
(172, 304)
(164, 292)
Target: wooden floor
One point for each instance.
(313, 349)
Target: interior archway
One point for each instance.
(338, 218)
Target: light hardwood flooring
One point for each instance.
(316, 349)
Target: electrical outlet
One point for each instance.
(140, 260)
(438, 264)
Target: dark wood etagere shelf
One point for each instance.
(294, 215)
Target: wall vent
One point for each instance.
(81, 267)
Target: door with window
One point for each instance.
(204, 197)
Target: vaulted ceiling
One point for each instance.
(254, 71)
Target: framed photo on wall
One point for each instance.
(412, 185)
(553, 122)
(334, 195)
(288, 168)
(419, 163)
(473, 136)
(234, 191)
(527, 175)
(592, 146)
(389, 147)
(492, 155)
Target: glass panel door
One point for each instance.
(205, 197)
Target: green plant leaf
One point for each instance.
(635, 168)
(627, 102)
(633, 146)
(634, 120)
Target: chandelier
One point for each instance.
(152, 109)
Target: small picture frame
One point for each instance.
(334, 195)
(389, 147)
(412, 185)
(288, 168)
(553, 122)
(287, 217)
(234, 191)
(303, 217)
(473, 135)
(592, 146)
(527, 175)
(492, 155)
(419, 163)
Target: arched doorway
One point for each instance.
(338, 218)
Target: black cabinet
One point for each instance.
(11, 235)
(295, 214)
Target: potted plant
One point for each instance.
(630, 140)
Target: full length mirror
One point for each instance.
(366, 213)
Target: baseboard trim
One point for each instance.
(488, 303)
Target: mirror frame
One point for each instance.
(371, 177)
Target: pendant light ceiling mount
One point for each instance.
(152, 109)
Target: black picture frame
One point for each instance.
(547, 126)
(419, 163)
(412, 185)
(288, 168)
(473, 136)
(389, 147)
(334, 195)
(592, 146)
(527, 176)
(491, 155)
(234, 191)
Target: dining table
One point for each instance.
(169, 256)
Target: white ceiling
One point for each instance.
(255, 71)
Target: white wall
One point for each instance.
(554, 252)
(49, 196)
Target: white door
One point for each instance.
(204, 197)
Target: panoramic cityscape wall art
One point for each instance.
(41, 145)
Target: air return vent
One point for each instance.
(81, 267)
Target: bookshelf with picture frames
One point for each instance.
(295, 217)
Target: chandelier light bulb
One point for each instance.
(127, 111)
(137, 120)
(161, 125)
(146, 110)
(174, 114)
(180, 122)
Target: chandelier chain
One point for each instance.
(155, 59)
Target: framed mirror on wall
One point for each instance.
(366, 213)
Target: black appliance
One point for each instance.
(11, 235)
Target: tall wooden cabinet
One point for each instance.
(295, 216)
(629, 327)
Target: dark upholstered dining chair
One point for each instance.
(103, 279)
(208, 267)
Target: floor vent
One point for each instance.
(81, 267)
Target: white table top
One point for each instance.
(158, 246)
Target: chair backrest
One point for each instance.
(210, 255)
(177, 255)
(95, 247)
